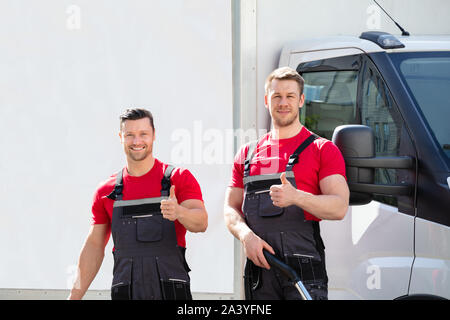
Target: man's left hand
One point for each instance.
(170, 207)
(284, 194)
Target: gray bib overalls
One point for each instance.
(295, 240)
(148, 263)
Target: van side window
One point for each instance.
(335, 97)
(377, 112)
(330, 101)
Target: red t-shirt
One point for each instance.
(320, 159)
(146, 186)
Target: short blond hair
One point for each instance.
(284, 73)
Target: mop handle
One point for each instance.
(289, 273)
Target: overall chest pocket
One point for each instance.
(259, 203)
(149, 228)
(266, 206)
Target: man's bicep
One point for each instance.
(335, 185)
(234, 198)
(193, 204)
(99, 235)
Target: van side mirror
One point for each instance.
(357, 145)
(356, 142)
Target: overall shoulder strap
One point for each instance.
(248, 158)
(165, 182)
(293, 159)
(116, 194)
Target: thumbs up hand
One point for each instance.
(172, 193)
(283, 178)
(284, 194)
(170, 207)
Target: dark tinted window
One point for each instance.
(427, 77)
(330, 101)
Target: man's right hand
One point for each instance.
(235, 222)
(91, 258)
(253, 248)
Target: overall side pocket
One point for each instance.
(299, 250)
(174, 280)
(308, 268)
(121, 285)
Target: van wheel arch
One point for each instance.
(420, 296)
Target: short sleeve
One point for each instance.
(186, 186)
(237, 171)
(99, 213)
(331, 161)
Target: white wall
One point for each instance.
(68, 69)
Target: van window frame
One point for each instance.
(359, 62)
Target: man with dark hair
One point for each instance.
(281, 187)
(147, 207)
(136, 114)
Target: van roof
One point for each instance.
(412, 43)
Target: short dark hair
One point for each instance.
(136, 114)
(285, 73)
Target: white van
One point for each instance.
(395, 239)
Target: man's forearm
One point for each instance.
(91, 258)
(194, 219)
(235, 223)
(325, 207)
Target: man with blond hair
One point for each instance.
(281, 187)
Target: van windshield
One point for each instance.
(427, 77)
